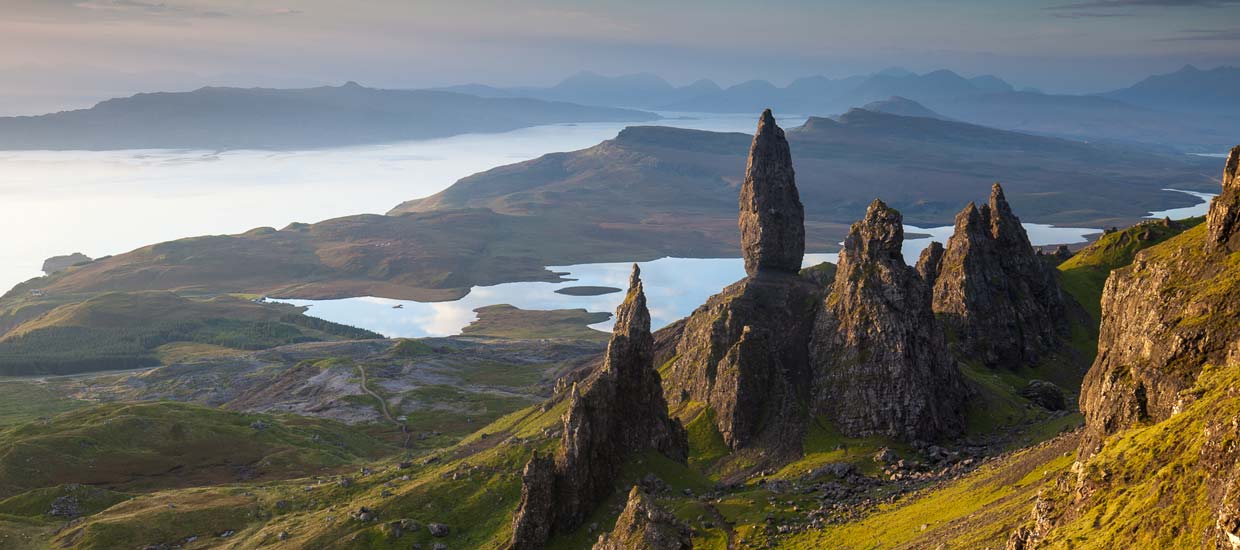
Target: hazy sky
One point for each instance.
(69, 53)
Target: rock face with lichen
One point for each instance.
(1174, 310)
(616, 412)
(645, 526)
(744, 354)
(1166, 319)
(1000, 301)
(882, 365)
(1223, 220)
(772, 219)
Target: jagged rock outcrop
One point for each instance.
(616, 412)
(1001, 302)
(744, 354)
(1224, 217)
(882, 363)
(772, 219)
(532, 523)
(60, 263)
(1171, 312)
(645, 526)
(929, 262)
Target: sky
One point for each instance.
(58, 54)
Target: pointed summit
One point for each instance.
(772, 219)
(1223, 220)
(1002, 302)
(878, 236)
(877, 324)
(618, 411)
(1004, 225)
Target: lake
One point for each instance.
(674, 287)
(101, 203)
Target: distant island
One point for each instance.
(587, 290)
(287, 119)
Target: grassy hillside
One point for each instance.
(146, 446)
(505, 321)
(117, 330)
(1083, 274)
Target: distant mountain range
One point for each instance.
(1214, 92)
(1190, 109)
(264, 118)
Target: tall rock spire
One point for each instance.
(1003, 303)
(772, 219)
(616, 412)
(1223, 220)
(881, 361)
(744, 353)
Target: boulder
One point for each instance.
(645, 526)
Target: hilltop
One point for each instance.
(282, 119)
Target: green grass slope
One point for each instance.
(123, 330)
(147, 446)
(1084, 273)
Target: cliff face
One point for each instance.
(645, 526)
(881, 362)
(1224, 217)
(1002, 303)
(772, 219)
(616, 412)
(1168, 354)
(744, 353)
(1174, 310)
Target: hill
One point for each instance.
(660, 174)
(1214, 91)
(896, 105)
(125, 330)
(280, 119)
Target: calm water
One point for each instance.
(674, 287)
(1195, 210)
(101, 203)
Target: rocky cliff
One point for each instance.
(881, 362)
(1000, 301)
(645, 526)
(616, 412)
(1160, 401)
(1173, 311)
(772, 219)
(1224, 217)
(744, 354)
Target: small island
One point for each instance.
(587, 290)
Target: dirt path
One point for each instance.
(382, 402)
